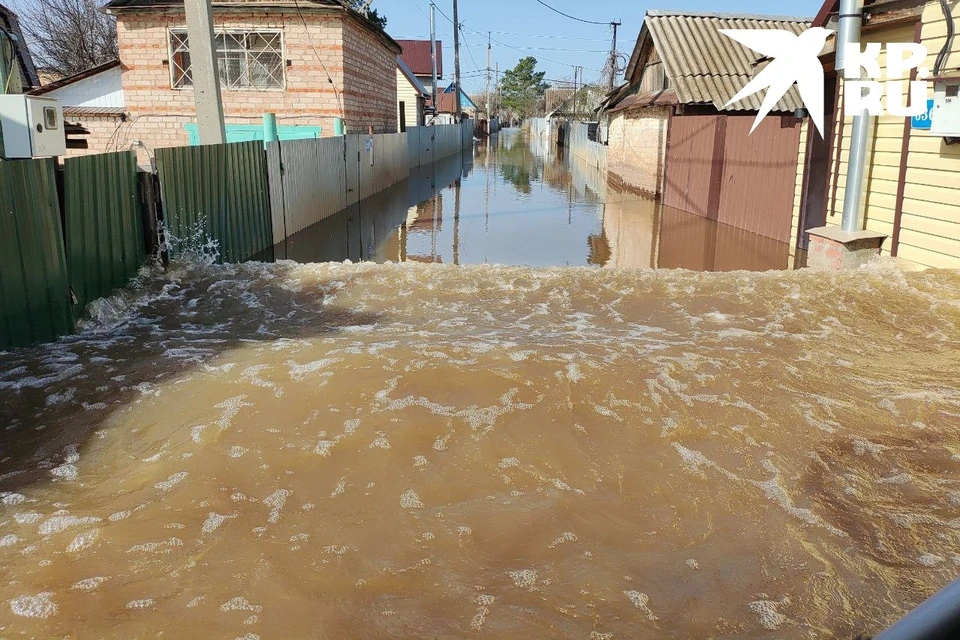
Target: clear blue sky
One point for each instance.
(557, 42)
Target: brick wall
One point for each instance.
(370, 91)
(318, 53)
(105, 133)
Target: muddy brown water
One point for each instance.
(513, 200)
(428, 451)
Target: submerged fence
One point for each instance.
(60, 251)
(579, 142)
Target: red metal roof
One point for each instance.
(416, 55)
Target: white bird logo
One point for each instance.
(795, 60)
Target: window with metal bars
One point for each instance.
(246, 60)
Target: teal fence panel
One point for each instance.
(220, 191)
(104, 224)
(34, 294)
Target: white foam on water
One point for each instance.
(12, 499)
(61, 397)
(641, 601)
(568, 536)
(693, 564)
(28, 517)
(195, 602)
(237, 451)
(930, 560)
(380, 443)
(89, 584)
(240, 603)
(38, 606)
(275, 501)
(340, 488)
(119, 515)
(59, 523)
(420, 461)
(171, 481)
(298, 372)
(524, 578)
(410, 500)
(9, 540)
(83, 540)
(214, 520)
(65, 472)
(143, 603)
(766, 610)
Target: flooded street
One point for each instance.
(397, 451)
(517, 202)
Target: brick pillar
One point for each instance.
(834, 249)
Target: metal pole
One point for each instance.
(496, 87)
(488, 83)
(433, 53)
(456, 56)
(851, 22)
(575, 92)
(613, 55)
(204, 72)
(935, 618)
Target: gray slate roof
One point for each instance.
(707, 67)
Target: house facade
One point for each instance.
(672, 134)
(309, 62)
(416, 55)
(912, 190)
(412, 98)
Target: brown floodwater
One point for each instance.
(428, 451)
(514, 201)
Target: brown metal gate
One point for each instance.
(719, 170)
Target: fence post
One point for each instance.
(152, 214)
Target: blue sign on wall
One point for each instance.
(924, 121)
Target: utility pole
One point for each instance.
(496, 87)
(204, 72)
(456, 55)
(613, 55)
(489, 115)
(575, 68)
(433, 53)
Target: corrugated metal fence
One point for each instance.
(34, 294)
(719, 170)
(310, 180)
(104, 224)
(238, 195)
(217, 192)
(580, 145)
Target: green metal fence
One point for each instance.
(34, 293)
(220, 191)
(104, 224)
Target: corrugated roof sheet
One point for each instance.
(416, 55)
(707, 67)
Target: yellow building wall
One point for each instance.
(930, 223)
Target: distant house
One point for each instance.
(412, 98)
(308, 63)
(416, 55)
(92, 99)
(447, 102)
(27, 75)
(672, 135)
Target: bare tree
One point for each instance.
(68, 36)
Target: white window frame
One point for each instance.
(223, 85)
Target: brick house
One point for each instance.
(309, 62)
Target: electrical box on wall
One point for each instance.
(32, 127)
(945, 117)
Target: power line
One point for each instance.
(567, 15)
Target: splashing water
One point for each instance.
(423, 451)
